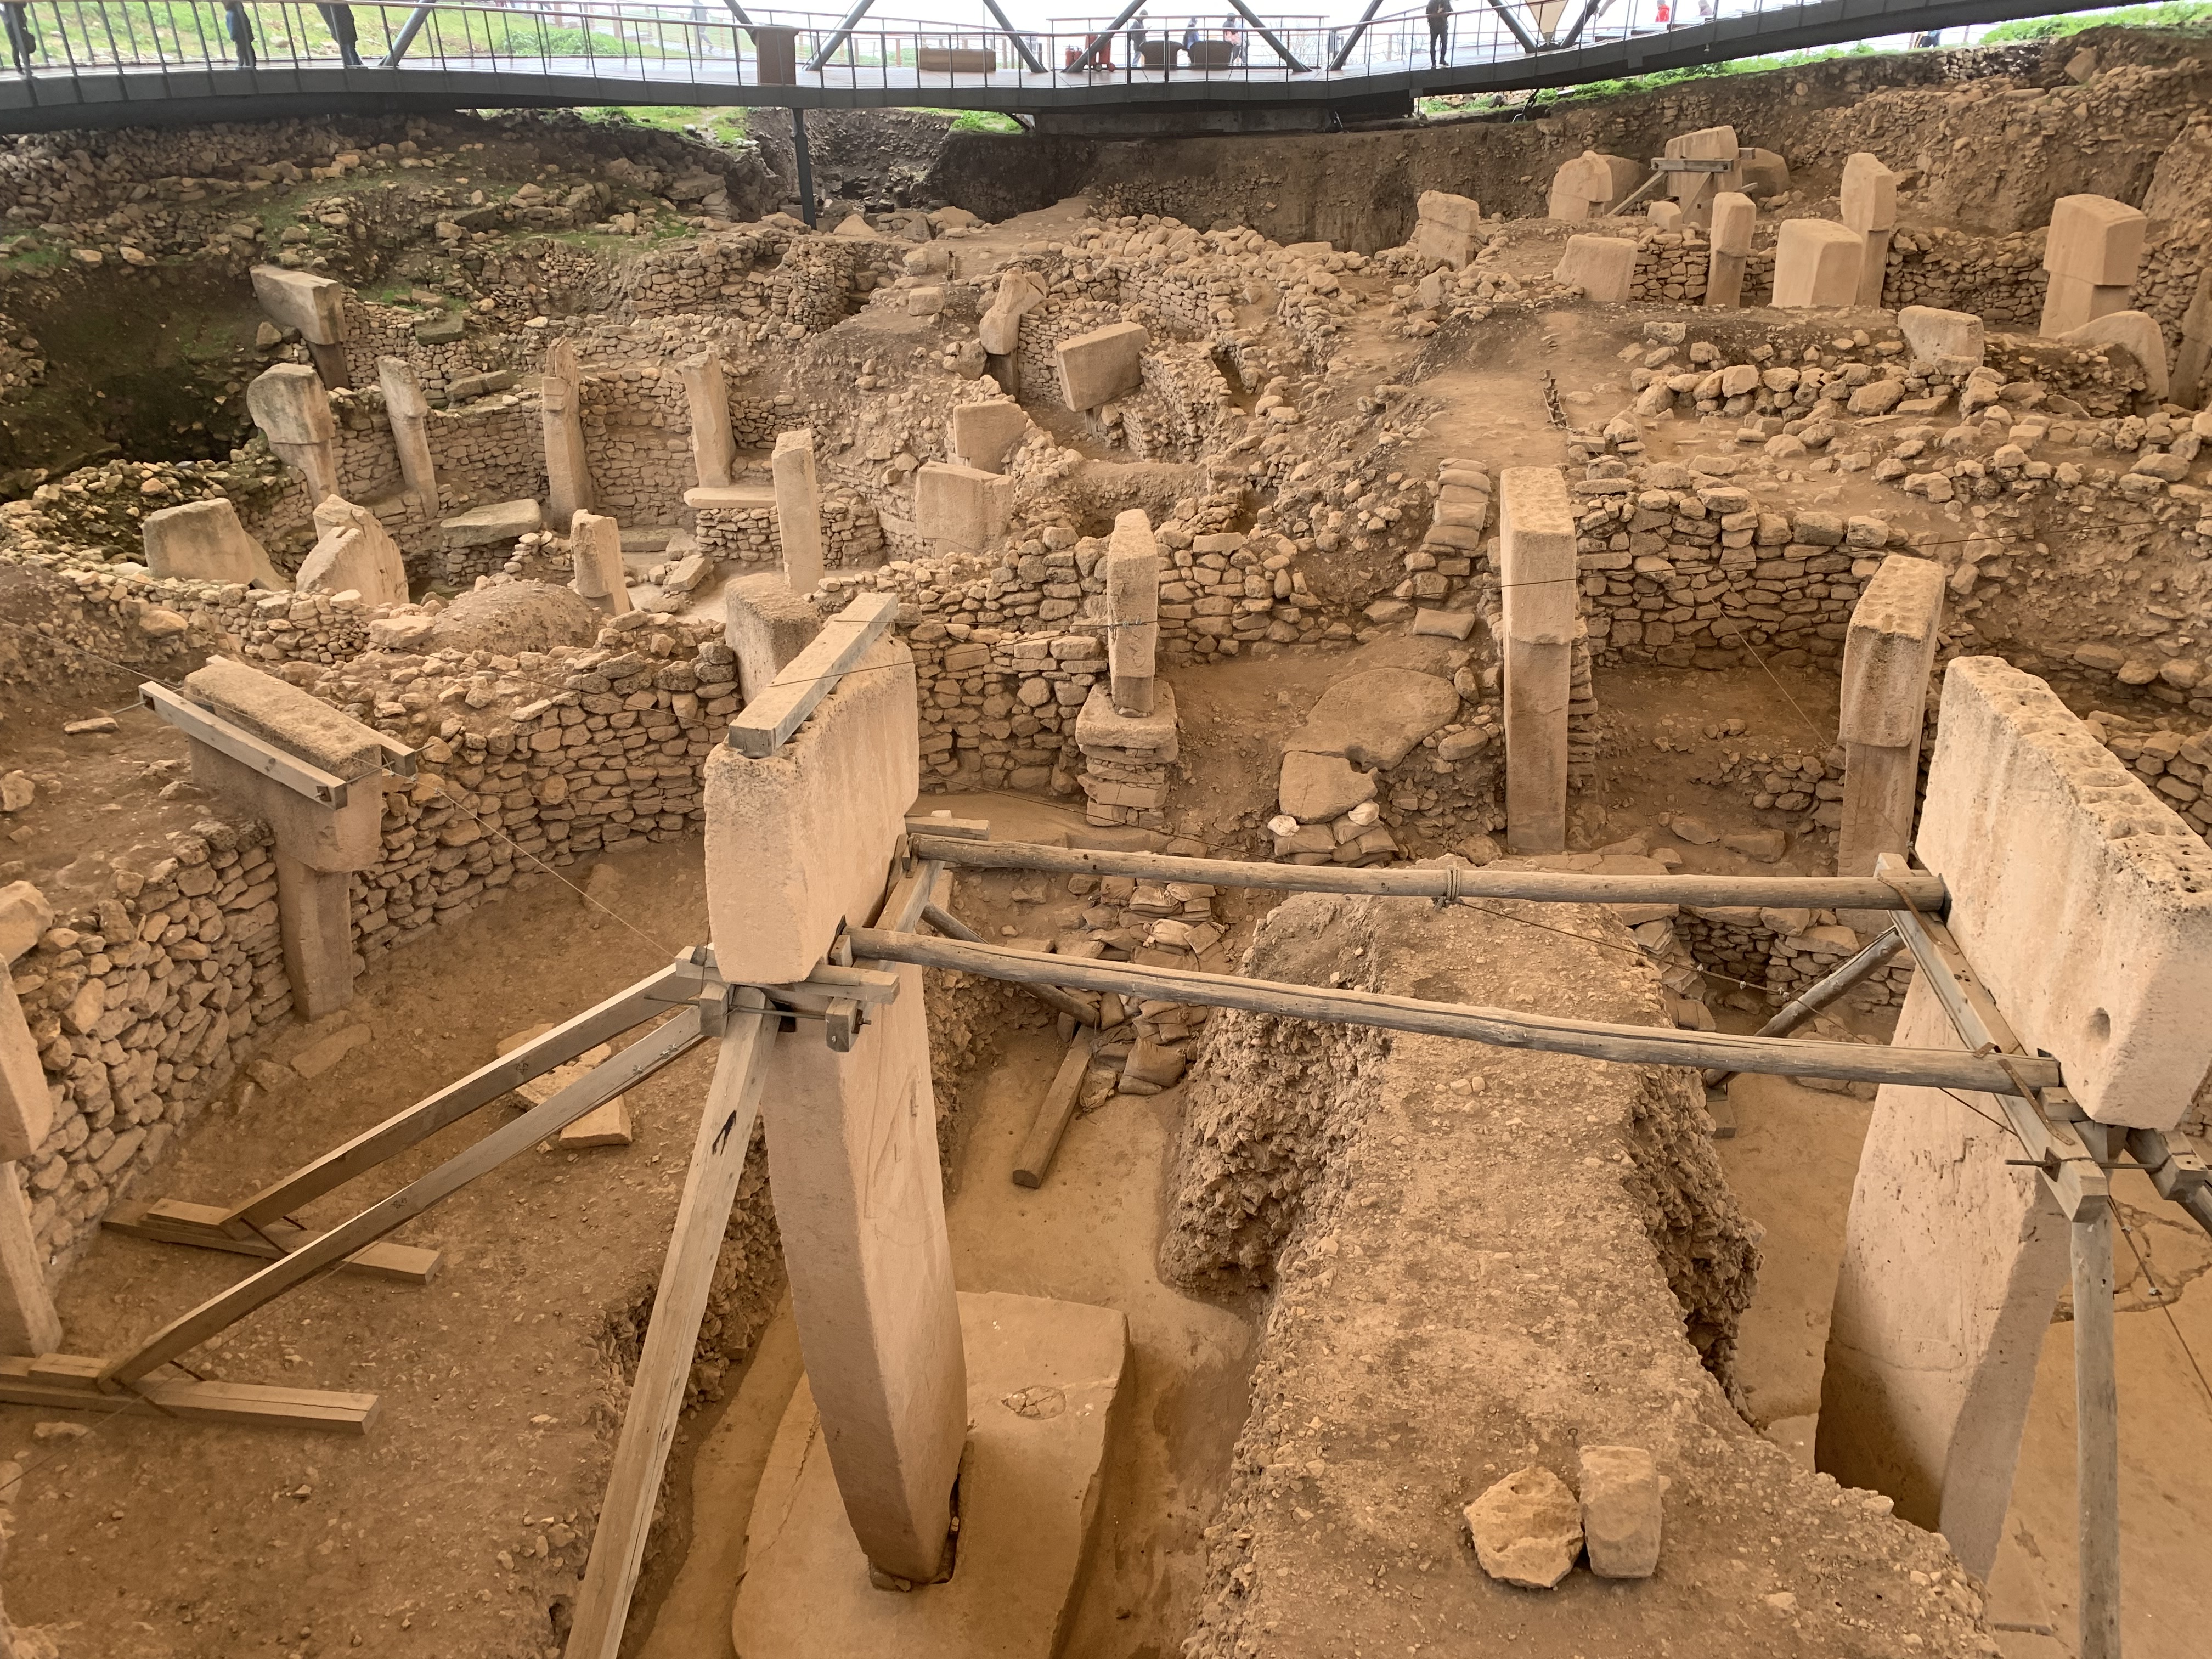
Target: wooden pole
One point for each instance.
(624, 1071)
(1809, 1002)
(2096, 1433)
(656, 1398)
(1082, 1012)
(1640, 1045)
(1054, 1113)
(1451, 881)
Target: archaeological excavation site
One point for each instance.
(1293, 859)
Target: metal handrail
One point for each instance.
(708, 47)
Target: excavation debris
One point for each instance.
(1527, 1529)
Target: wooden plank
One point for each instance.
(1640, 1045)
(964, 829)
(1809, 1001)
(710, 1187)
(633, 1005)
(766, 723)
(172, 1221)
(2097, 1434)
(1054, 1113)
(625, 1070)
(901, 906)
(1052, 997)
(208, 728)
(68, 1382)
(1782, 892)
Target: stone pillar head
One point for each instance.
(353, 552)
(403, 390)
(289, 405)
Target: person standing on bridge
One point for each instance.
(238, 22)
(339, 21)
(1440, 15)
(21, 41)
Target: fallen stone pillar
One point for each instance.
(28, 1323)
(408, 412)
(289, 403)
(2084, 905)
(353, 550)
(1816, 263)
(561, 406)
(1106, 364)
(2091, 252)
(1870, 211)
(766, 625)
(315, 307)
(707, 394)
(1133, 611)
(1536, 544)
(1888, 652)
(798, 510)
(318, 846)
(595, 552)
(1950, 341)
(1734, 216)
(2135, 332)
(796, 844)
(1000, 331)
(1603, 267)
(204, 541)
(1591, 186)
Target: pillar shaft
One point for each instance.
(1133, 611)
(1536, 550)
(28, 1323)
(1952, 1264)
(1874, 267)
(595, 550)
(408, 412)
(1888, 651)
(315, 918)
(1879, 788)
(567, 474)
(798, 510)
(707, 394)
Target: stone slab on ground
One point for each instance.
(1470, 1281)
(1376, 718)
(499, 522)
(1044, 1378)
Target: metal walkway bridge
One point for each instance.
(88, 64)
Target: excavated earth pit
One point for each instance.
(1367, 1276)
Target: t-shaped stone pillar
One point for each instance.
(314, 305)
(289, 403)
(1133, 611)
(2084, 906)
(1887, 654)
(707, 394)
(798, 508)
(2091, 252)
(1696, 191)
(28, 1323)
(595, 546)
(561, 407)
(1536, 548)
(795, 843)
(318, 845)
(1869, 209)
(408, 412)
(1734, 216)
(1816, 265)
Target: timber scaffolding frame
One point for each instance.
(689, 1002)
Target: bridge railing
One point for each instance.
(705, 46)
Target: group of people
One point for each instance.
(238, 24)
(1165, 44)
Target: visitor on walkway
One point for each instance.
(339, 21)
(1440, 14)
(1233, 32)
(239, 22)
(21, 41)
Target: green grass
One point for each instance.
(722, 126)
(2182, 15)
(1655, 82)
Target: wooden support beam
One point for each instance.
(626, 1070)
(242, 746)
(766, 723)
(1066, 1002)
(651, 996)
(710, 1187)
(171, 1221)
(1641, 1045)
(1449, 881)
(2096, 1433)
(67, 1381)
(1809, 1001)
(1054, 1113)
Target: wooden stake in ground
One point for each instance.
(1056, 1112)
